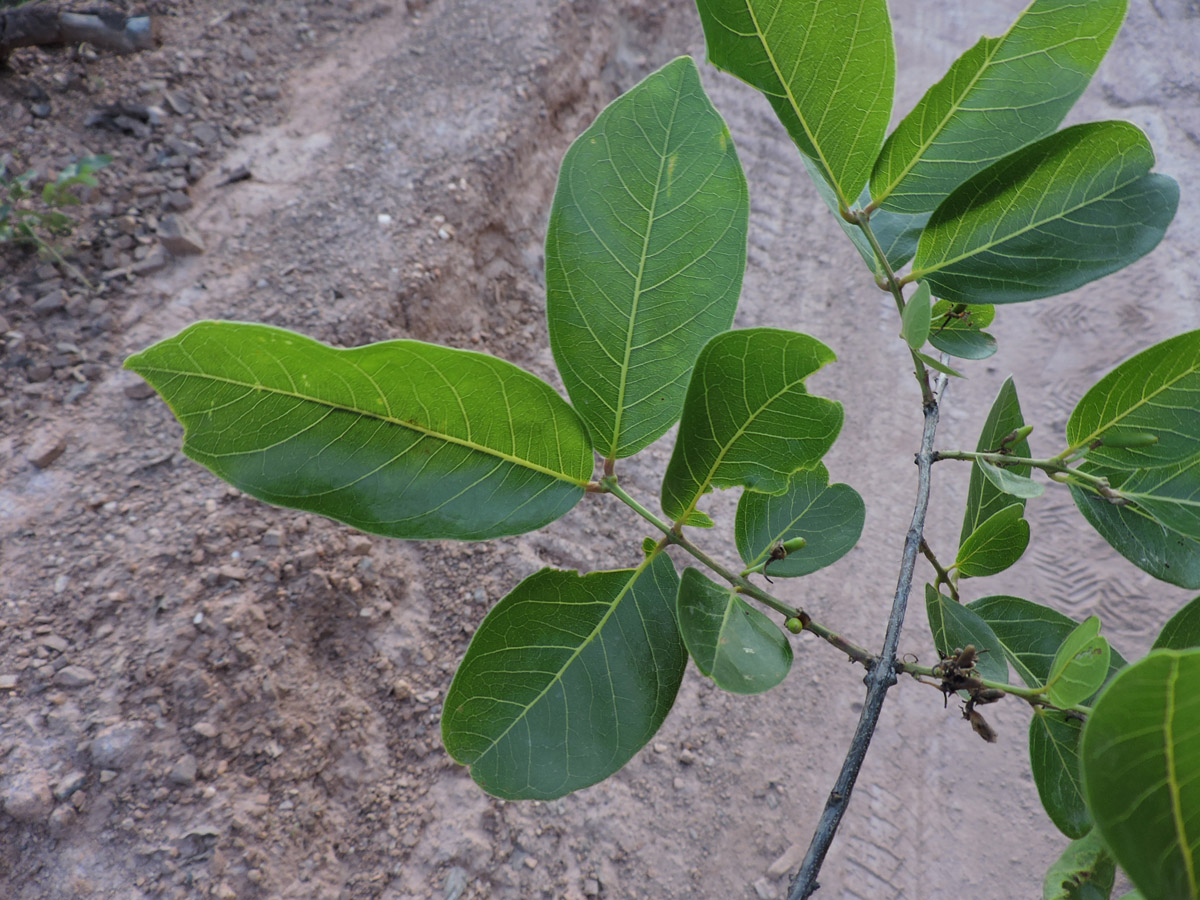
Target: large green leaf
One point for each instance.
(1085, 871)
(1138, 536)
(731, 642)
(1141, 772)
(748, 420)
(1170, 494)
(957, 329)
(1049, 218)
(1182, 631)
(400, 438)
(985, 499)
(1029, 633)
(645, 252)
(996, 544)
(954, 626)
(1155, 392)
(998, 96)
(1054, 761)
(827, 67)
(566, 679)
(828, 516)
(1080, 665)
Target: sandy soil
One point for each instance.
(211, 697)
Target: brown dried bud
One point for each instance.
(981, 727)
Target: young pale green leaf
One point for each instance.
(1182, 631)
(954, 626)
(1141, 772)
(998, 542)
(1049, 218)
(938, 365)
(1083, 872)
(1138, 536)
(828, 516)
(914, 322)
(1155, 392)
(400, 438)
(1010, 483)
(748, 420)
(566, 679)
(985, 499)
(999, 96)
(732, 643)
(956, 329)
(1054, 761)
(1080, 666)
(1170, 494)
(645, 252)
(827, 67)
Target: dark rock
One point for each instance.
(118, 746)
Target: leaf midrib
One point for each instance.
(1177, 813)
(1146, 398)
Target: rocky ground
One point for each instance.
(204, 696)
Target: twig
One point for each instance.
(880, 677)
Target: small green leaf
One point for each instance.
(938, 365)
(1080, 666)
(829, 518)
(748, 420)
(827, 67)
(1084, 871)
(731, 642)
(1182, 631)
(1141, 772)
(954, 626)
(1054, 761)
(1154, 392)
(956, 330)
(1049, 218)
(1009, 482)
(995, 545)
(914, 323)
(400, 438)
(1001, 94)
(645, 252)
(566, 679)
(1139, 536)
(984, 499)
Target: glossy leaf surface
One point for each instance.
(1085, 871)
(1141, 772)
(1049, 218)
(1080, 665)
(954, 626)
(828, 516)
(1182, 631)
(1001, 94)
(566, 679)
(748, 420)
(1054, 761)
(731, 642)
(1157, 392)
(827, 67)
(960, 333)
(985, 499)
(914, 323)
(400, 438)
(645, 252)
(996, 544)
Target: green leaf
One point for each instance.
(1001, 94)
(829, 517)
(1044, 220)
(1080, 666)
(1138, 536)
(914, 322)
(954, 626)
(1156, 391)
(566, 679)
(1182, 631)
(938, 365)
(827, 67)
(399, 438)
(1083, 872)
(995, 545)
(1009, 482)
(957, 330)
(1170, 494)
(1141, 772)
(984, 499)
(731, 642)
(748, 420)
(645, 252)
(1054, 761)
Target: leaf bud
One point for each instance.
(794, 625)
(793, 544)
(1129, 439)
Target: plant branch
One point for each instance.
(881, 675)
(943, 576)
(1055, 467)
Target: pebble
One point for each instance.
(8, 682)
(155, 261)
(184, 771)
(26, 796)
(177, 201)
(62, 819)
(765, 889)
(74, 677)
(117, 746)
(50, 303)
(179, 237)
(789, 860)
(69, 784)
(139, 390)
(205, 729)
(455, 884)
(46, 449)
(591, 887)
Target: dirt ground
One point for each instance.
(204, 696)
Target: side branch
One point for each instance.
(880, 677)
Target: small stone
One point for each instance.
(139, 390)
(177, 201)
(50, 303)
(155, 261)
(69, 784)
(687, 758)
(117, 746)
(205, 729)
(184, 771)
(788, 860)
(55, 642)
(179, 237)
(591, 887)
(62, 818)
(26, 796)
(8, 682)
(46, 449)
(360, 546)
(272, 537)
(178, 102)
(39, 372)
(455, 884)
(678, 783)
(765, 889)
(74, 677)
(530, 862)
(660, 747)
(401, 689)
(107, 775)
